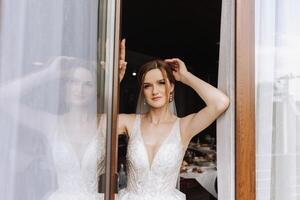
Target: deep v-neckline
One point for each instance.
(150, 164)
(72, 150)
(78, 158)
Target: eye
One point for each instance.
(162, 82)
(146, 86)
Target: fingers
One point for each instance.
(122, 49)
(122, 64)
(122, 69)
(174, 60)
(174, 63)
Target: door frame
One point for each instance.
(245, 186)
(112, 137)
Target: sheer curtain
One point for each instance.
(48, 90)
(226, 123)
(277, 99)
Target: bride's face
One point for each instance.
(156, 88)
(80, 87)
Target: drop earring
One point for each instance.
(171, 97)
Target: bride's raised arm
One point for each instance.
(216, 101)
(11, 92)
(124, 120)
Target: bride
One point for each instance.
(76, 134)
(158, 138)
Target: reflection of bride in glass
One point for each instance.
(158, 138)
(75, 133)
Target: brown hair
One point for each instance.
(164, 67)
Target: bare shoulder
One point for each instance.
(127, 118)
(125, 123)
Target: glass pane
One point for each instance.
(51, 100)
(277, 99)
(101, 103)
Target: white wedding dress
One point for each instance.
(77, 179)
(156, 181)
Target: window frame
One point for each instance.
(245, 165)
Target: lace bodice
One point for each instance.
(158, 180)
(77, 179)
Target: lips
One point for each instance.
(156, 98)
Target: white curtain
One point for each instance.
(226, 123)
(48, 52)
(277, 99)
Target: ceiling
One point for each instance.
(188, 29)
